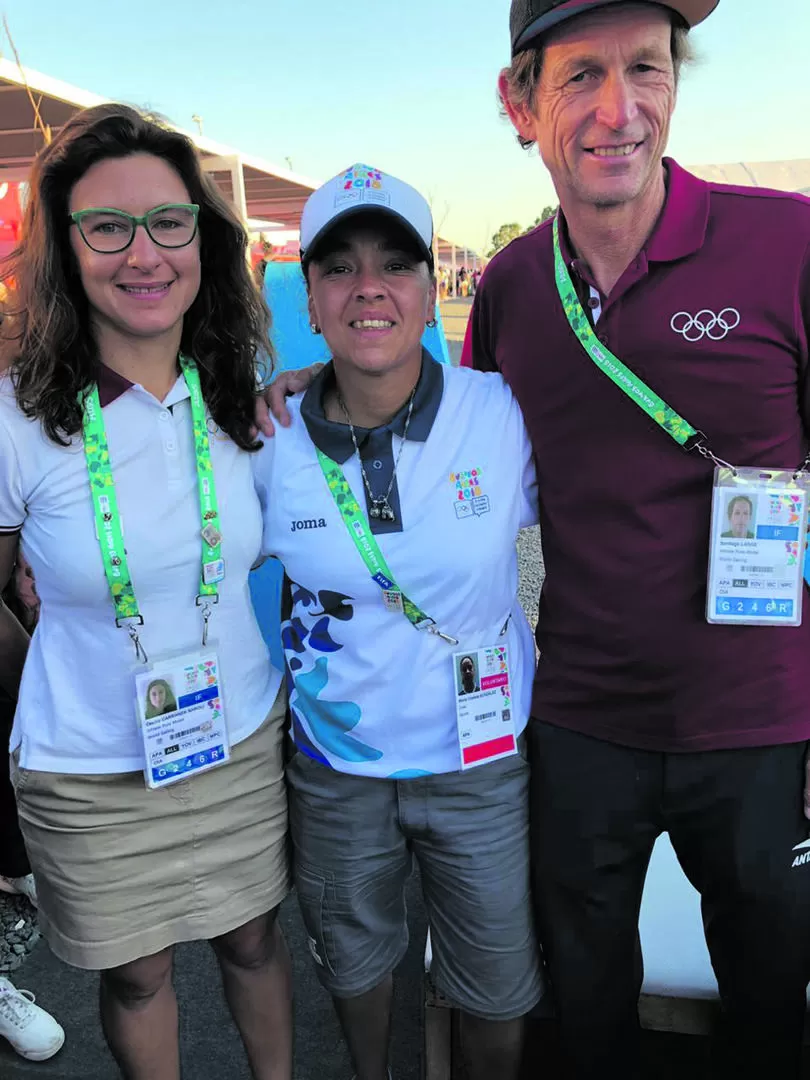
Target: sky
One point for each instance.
(408, 88)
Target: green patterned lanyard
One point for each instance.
(360, 531)
(108, 517)
(655, 407)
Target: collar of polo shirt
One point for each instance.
(112, 386)
(333, 439)
(680, 230)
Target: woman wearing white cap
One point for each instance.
(393, 501)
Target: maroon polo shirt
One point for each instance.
(626, 652)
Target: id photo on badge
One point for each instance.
(740, 517)
(159, 699)
(468, 680)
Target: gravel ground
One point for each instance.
(18, 931)
(532, 572)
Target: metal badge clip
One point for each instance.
(205, 602)
(698, 442)
(705, 452)
(131, 626)
(804, 467)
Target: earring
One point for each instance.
(314, 328)
(431, 324)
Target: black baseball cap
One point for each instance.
(530, 18)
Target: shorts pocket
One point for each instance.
(20, 778)
(311, 888)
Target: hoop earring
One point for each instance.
(314, 328)
(431, 324)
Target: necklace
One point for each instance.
(379, 507)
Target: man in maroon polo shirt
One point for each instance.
(646, 717)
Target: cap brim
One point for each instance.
(691, 11)
(356, 211)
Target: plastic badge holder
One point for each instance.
(757, 547)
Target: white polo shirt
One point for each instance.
(370, 695)
(76, 711)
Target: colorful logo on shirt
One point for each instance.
(470, 500)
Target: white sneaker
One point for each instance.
(20, 886)
(32, 1032)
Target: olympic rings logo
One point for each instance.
(705, 324)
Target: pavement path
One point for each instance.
(455, 315)
(211, 1049)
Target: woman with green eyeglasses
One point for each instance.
(131, 337)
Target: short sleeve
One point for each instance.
(12, 501)
(477, 344)
(529, 500)
(466, 348)
(520, 472)
(262, 465)
(803, 320)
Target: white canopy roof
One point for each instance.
(782, 175)
(260, 190)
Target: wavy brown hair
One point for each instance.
(47, 333)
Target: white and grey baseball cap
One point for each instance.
(360, 190)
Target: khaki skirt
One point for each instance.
(123, 872)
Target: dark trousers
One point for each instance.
(13, 860)
(734, 817)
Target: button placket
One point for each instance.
(170, 441)
(175, 459)
(378, 458)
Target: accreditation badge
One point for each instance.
(757, 547)
(181, 716)
(486, 727)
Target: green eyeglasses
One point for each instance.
(107, 231)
